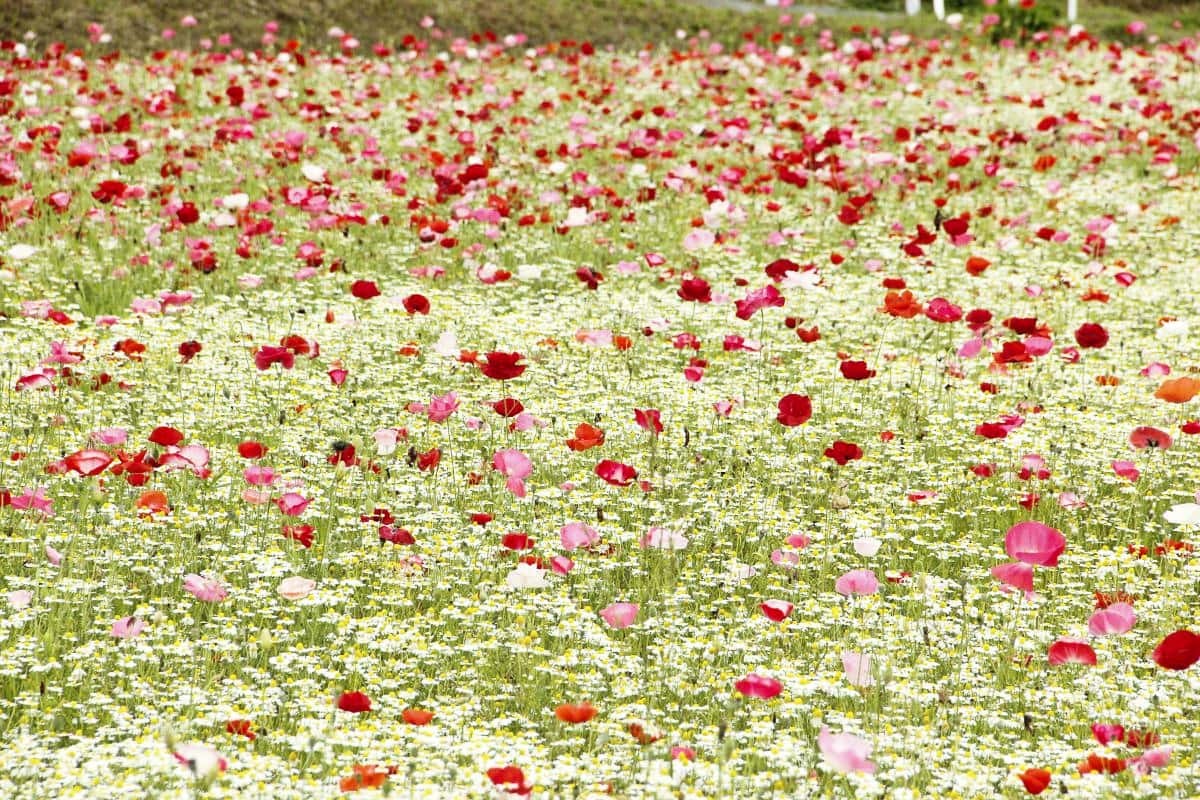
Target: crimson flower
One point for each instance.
(268, 354)
(843, 452)
(761, 686)
(354, 702)
(1178, 651)
(1091, 335)
(615, 473)
(794, 409)
(508, 407)
(165, 436)
(502, 366)
(696, 290)
(416, 304)
(856, 370)
(364, 290)
(648, 419)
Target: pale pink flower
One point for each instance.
(127, 628)
(110, 436)
(204, 589)
(576, 534)
(53, 556)
(385, 440)
(845, 752)
(620, 615)
(1118, 618)
(259, 476)
(514, 465)
(296, 587)
(202, 762)
(663, 539)
(20, 599)
(857, 581)
(858, 669)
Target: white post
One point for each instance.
(939, 9)
(912, 7)
(1072, 10)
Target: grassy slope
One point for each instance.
(135, 26)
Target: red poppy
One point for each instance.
(400, 536)
(575, 714)
(586, 437)
(648, 419)
(641, 735)
(1106, 599)
(416, 304)
(88, 462)
(251, 449)
(429, 460)
(364, 290)
(1091, 335)
(165, 436)
(511, 778)
(502, 366)
(856, 370)
(615, 473)
(1145, 436)
(481, 518)
(517, 541)
(794, 409)
(268, 354)
(843, 452)
(508, 407)
(299, 533)
(1178, 651)
(976, 265)
(153, 503)
(695, 290)
(241, 727)
(1035, 779)
(1098, 763)
(354, 702)
(189, 350)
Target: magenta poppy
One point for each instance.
(763, 687)
(1034, 543)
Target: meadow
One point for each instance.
(812, 416)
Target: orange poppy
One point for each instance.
(417, 716)
(900, 304)
(575, 714)
(366, 776)
(153, 502)
(1178, 390)
(586, 437)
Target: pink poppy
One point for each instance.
(441, 407)
(561, 565)
(763, 687)
(857, 581)
(1127, 470)
(292, 504)
(620, 615)
(1071, 651)
(845, 752)
(259, 476)
(1116, 619)
(127, 628)
(758, 299)
(857, 667)
(575, 535)
(515, 466)
(204, 589)
(1015, 575)
(1034, 543)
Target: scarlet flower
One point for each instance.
(251, 449)
(366, 776)
(1098, 763)
(502, 366)
(364, 290)
(416, 716)
(354, 702)
(1035, 779)
(575, 714)
(429, 460)
(794, 409)
(131, 348)
(586, 437)
(299, 533)
(241, 727)
(517, 541)
(510, 778)
(508, 407)
(902, 305)
(400, 536)
(641, 735)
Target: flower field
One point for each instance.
(464, 418)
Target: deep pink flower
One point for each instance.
(763, 687)
(1034, 543)
(1071, 651)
